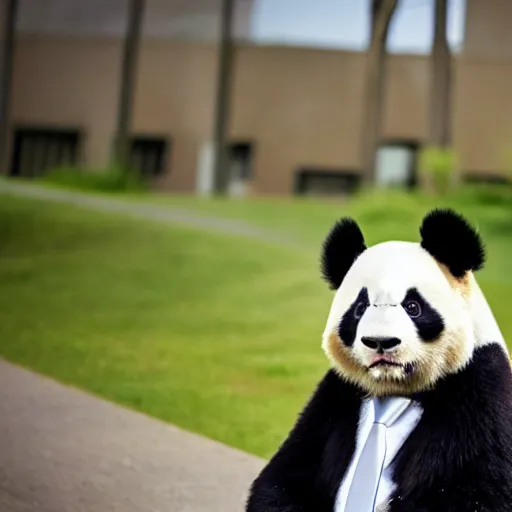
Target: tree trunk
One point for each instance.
(10, 9)
(127, 85)
(222, 102)
(440, 99)
(382, 13)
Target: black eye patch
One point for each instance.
(350, 320)
(428, 321)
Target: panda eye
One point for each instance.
(360, 309)
(413, 308)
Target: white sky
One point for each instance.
(345, 24)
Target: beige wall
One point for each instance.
(301, 107)
(483, 115)
(489, 29)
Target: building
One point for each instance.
(296, 112)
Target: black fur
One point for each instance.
(343, 245)
(429, 323)
(348, 325)
(457, 459)
(449, 238)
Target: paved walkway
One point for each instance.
(62, 450)
(158, 213)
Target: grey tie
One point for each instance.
(365, 484)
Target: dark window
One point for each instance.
(148, 155)
(37, 150)
(325, 182)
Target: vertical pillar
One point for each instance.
(127, 82)
(222, 100)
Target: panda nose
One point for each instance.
(380, 343)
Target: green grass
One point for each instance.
(218, 334)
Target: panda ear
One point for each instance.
(451, 240)
(343, 245)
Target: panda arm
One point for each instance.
(300, 478)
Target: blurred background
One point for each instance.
(294, 90)
(171, 167)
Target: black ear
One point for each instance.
(343, 245)
(451, 240)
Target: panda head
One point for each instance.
(403, 315)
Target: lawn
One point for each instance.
(218, 334)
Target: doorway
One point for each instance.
(240, 167)
(396, 164)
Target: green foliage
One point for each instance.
(218, 334)
(437, 168)
(111, 179)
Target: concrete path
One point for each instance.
(158, 213)
(62, 450)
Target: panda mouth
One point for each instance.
(384, 362)
(408, 368)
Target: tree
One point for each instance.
(127, 85)
(440, 99)
(10, 9)
(382, 13)
(222, 101)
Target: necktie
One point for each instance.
(365, 484)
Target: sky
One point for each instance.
(345, 24)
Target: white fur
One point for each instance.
(485, 327)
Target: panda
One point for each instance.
(408, 327)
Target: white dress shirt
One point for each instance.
(395, 437)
